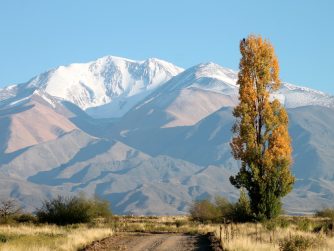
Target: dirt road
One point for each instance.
(152, 242)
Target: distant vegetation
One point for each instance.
(326, 213)
(221, 210)
(219, 216)
(59, 211)
(71, 210)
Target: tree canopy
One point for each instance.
(261, 138)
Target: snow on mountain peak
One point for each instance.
(110, 86)
(295, 96)
(218, 72)
(97, 83)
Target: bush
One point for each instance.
(222, 210)
(241, 211)
(205, 211)
(180, 223)
(71, 210)
(8, 210)
(298, 243)
(99, 208)
(324, 227)
(3, 238)
(275, 223)
(304, 225)
(25, 218)
(326, 213)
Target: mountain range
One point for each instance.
(148, 136)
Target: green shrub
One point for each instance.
(3, 238)
(283, 222)
(71, 210)
(205, 211)
(180, 223)
(298, 243)
(241, 211)
(326, 213)
(324, 227)
(25, 218)
(222, 210)
(304, 225)
(270, 225)
(279, 222)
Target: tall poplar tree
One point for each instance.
(261, 138)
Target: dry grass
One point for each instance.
(49, 237)
(252, 236)
(161, 224)
(247, 236)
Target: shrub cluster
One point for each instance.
(279, 222)
(9, 211)
(326, 213)
(298, 243)
(221, 210)
(71, 210)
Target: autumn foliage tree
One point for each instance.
(261, 138)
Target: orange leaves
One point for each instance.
(261, 140)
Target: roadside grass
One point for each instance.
(162, 224)
(300, 233)
(23, 237)
(283, 234)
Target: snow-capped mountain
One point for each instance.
(293, 96)
(168, 146)
(107, 87)
(111, 86)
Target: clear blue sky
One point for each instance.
(36, 35)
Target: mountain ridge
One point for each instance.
(153, 142)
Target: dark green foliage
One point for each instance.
(242, 210)
(326, 227)
(3, 238)
(70, 210)
(180, 223)
(298, 243)
(25, 218)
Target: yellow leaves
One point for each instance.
(279, 143)
(262, 140)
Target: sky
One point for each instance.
(38, 35)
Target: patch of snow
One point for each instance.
(112, 83)
(18, 102)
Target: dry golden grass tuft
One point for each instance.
(283, 234)
(49, 237)
(256, 236)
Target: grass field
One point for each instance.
(285, 234)
(49, 237)
(296, 234)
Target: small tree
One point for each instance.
(261, 139)
(242, 210)
(8, 208)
